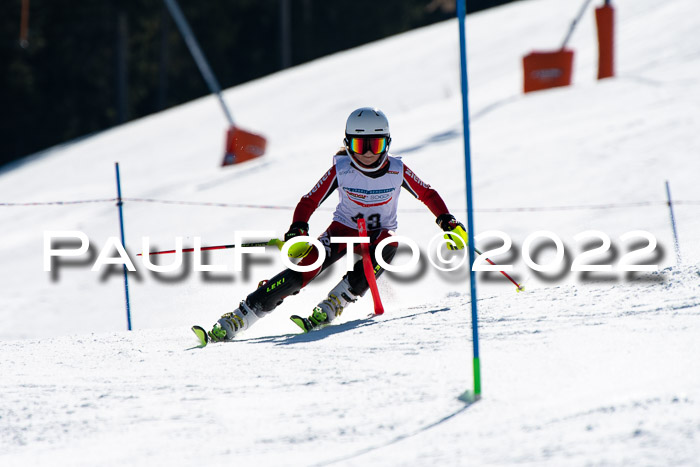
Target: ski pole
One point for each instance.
(276, 242)
(520, 288)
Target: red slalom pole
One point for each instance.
(369, 270)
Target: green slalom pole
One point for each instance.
(461, 14)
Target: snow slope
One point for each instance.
(581, 369)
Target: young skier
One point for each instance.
(368, 180)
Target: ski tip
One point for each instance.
(201, 335)
(299, 321)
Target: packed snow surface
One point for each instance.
(582, 368)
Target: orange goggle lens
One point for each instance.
(377, 145)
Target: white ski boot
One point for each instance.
(230, 324)
(329, 308)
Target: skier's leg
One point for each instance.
(356, 278)
(270, 294)
(349, 289)
(329, 308)
(259, 303)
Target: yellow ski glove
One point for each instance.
(455, 231)
(459, 236)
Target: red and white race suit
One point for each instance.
(374, 196)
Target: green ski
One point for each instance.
(303, 323)
(201, 335)
(317, 320)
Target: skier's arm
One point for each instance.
(423, 192)
(305, 207)
(311, 201)
(447, 222)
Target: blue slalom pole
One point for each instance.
(461, 14)
(121, 228)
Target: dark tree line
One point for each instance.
(92, 64)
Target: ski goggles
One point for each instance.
(362, 144)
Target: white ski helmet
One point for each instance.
(367, 122)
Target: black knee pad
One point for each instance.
(270, 295)
(356, 277)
